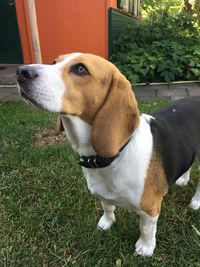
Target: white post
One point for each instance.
(34, 31)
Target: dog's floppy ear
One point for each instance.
(117, 119)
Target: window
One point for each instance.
(129, 6)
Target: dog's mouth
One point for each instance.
(26, 78)
(37, 86)
(29, 98)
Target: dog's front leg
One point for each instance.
(108, 217)
(147, 242)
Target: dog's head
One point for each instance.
(87, 86)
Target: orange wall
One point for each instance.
(24, 31)
(66, 26)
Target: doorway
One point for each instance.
(10, 47)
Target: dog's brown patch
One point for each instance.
(104, 99)
(85, 95)
(155, 187)
(117, 118)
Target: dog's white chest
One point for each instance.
(122, 183)
(113, 189)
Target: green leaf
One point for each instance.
(168, 76)
(118, 263)
(196, 231)
(134, 78)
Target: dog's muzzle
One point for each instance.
(26, 75)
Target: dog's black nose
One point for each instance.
(26, 72)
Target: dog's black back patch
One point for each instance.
(176, 136)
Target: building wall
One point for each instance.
(118, 23)
(65, 27)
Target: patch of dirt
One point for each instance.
(48, 137)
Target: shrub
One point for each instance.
(167, 50)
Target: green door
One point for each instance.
(10, 47)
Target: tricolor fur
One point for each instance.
(100, 114)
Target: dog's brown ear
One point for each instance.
(117, 119)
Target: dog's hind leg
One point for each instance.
(195, 202)
(108, 217)
(184, 179)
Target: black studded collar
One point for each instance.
(95, 162)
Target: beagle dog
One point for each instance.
(129, 160)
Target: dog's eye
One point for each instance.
(79, 69)
(54, 62)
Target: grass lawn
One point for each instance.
(48, 217)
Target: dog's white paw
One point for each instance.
(144, 249)
(182, 181)
(195, 204)
(106, 222)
